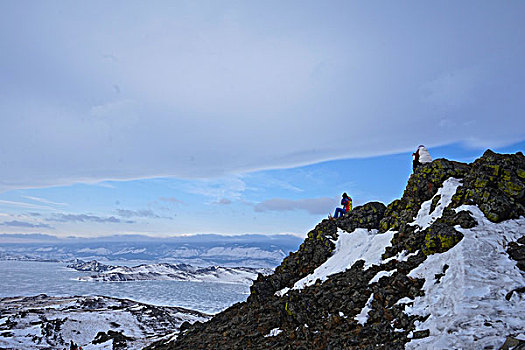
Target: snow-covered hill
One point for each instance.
(92, 266)
(472, 299)
(164, 272)
(441, 268)
(44, 322)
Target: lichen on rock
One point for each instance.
(439, 238)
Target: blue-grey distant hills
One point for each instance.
(198, 250)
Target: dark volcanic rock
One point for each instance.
(365, 216)
(516, 251)
(422, 186)
(312, 253)
(323, 315)
(440, 237)
(119, 340)
(497, 185)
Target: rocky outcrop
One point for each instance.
(364, 306)
(421, 187)
(496, 183)
(516, 251)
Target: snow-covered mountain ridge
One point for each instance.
(198, 250)
(443, 267)
(164, 272)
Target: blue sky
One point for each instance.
(269, 201)
(164, 118)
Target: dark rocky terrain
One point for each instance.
(324, 315)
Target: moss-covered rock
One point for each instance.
(494, 184)
(365, 216)
(439, 238)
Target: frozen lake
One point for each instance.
(28, 278)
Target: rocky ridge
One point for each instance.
(366, 306)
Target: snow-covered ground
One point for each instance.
(179, 272)
(44, 322)
(468, 304)
(361, 244)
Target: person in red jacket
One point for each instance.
(346, 202)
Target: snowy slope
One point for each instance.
(360, 244)
(469, 303)
(44, 322)
(368, 245)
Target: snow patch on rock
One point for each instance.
(274, 332)
(362, 317)
(361, 244)
(424, 217)
(469, 301)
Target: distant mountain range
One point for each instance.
(177, 272)
(198, 250)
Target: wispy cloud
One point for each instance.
(313, 206)
(214, 190)
(142, 213)
(43, 200)
(23, 204)
(171, 200)
(276, 78)
(86, 218)
(16, 223)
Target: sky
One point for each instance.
(184, 117)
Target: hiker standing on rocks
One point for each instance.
(346, 202)
(420, 156)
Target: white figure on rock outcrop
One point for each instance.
(420, 156)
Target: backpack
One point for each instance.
(348, 205)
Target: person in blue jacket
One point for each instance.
(346, 202)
